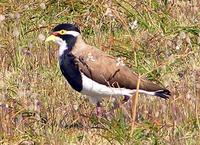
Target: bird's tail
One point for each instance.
(153, 89)
(163, 93)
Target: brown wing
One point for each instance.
(106, 70)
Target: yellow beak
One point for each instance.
(51, 38)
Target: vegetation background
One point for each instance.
(159, 39)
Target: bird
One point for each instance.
(94, 73)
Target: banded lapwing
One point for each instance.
(94, 73)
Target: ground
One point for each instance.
(159, 40)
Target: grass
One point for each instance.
(157, 39)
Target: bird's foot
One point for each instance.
(99, 111)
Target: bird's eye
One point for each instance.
(62, 32)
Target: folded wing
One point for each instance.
(108, 71)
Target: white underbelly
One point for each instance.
(95, 89)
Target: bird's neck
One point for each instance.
(79, 46)
(73, 46)
(69, 44)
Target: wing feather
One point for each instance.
(106, 70)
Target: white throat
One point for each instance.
(63, 47)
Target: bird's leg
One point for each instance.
(98, 109)
(117, 105)
(126, 98)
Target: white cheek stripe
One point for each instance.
(74, 33)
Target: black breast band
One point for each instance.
(71, 71)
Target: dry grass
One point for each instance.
(158, 39)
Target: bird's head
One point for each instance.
(64, 35)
